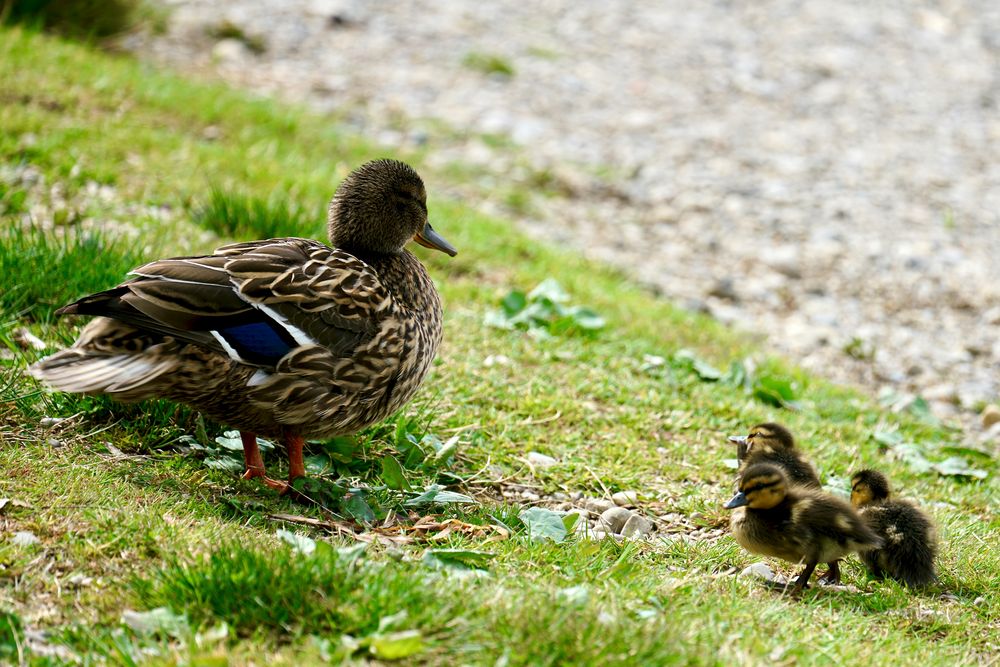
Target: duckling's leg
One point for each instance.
(255, 462)
(803, 579)
(832, 575)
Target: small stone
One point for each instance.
(530, 496)
(596, 505)
(230, 50)
(637, 526)
(23, 538)
(626, 498)
(990, 416)
(979, 601)
(540, 460)
(614, 519)
(724, 289)
(564, 507)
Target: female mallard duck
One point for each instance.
(286, 338)
(908, 535)
(773, 443)
(795, 523)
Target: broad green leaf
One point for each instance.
(392, 474)
(569, 520)
(549, 289)
(231, 440)
(156, 621)
(437, 494)
(775, 391)
(911, 455)
(356, 505)
(543, 524)
(959, 467)
(514, 303)
(318, 464)
(300, 543)
(226, 463)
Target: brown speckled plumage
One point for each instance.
(357, 325)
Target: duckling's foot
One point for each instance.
(832, 575)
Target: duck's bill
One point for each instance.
(428, 238)
(738, 439)
(739, 500)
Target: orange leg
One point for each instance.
(255, 462)
(296, 466)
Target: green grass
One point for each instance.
(145, 522)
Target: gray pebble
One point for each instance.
(614, 519)
(626, 498)
(596, 505)
(637, 526)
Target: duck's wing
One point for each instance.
(255, 302)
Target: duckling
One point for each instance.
(908, 534)
(795, 523)
(286, 338)
(773, 443)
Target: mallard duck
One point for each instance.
(286, 338)
(795, 523)
(773, 443)
(908, 535)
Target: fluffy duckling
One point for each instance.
(794, 523)
(773, 443)
(287, 338)
(908, 535)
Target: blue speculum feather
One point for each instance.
(261, 342)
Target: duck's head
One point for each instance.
(762, 486)
(868, 486)
(380, 207)
(768, 437)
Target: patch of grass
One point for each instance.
(237, 215)
(489, 63)
(44, 270)
(81, 19)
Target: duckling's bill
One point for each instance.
(431, 239)
(738, 439)
(739, 500)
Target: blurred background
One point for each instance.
(824, 174)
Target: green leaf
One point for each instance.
(392, 474)
(703, 369)
(958, 467)
(775, 391)
(459, 559)
(300, 543)
(156, 621)
(888, 438)
(395, 645)
(543, 524)
(967, 450)
(514, 303)
(356, 505)
(231, 440)
(437, 494)
(226, 463)
(569, 520)
(549, 289)
(912, 455)
(318, 464)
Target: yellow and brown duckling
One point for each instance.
(773, 443)
(795, 523)
(287, 338)
(908, 534)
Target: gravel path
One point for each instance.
(823, 173)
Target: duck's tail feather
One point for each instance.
(76, 370)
